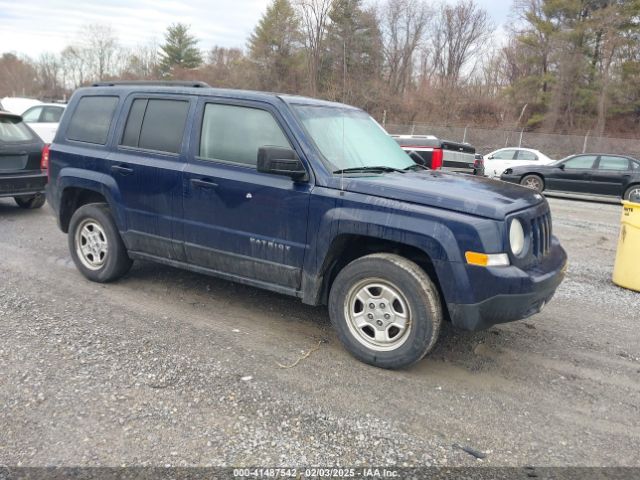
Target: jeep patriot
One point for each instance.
(303, 197)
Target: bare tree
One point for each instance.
(101, 49)
(460, 32)
(315, 18)
(403, 25)
(49, 70)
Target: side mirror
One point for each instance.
(490, 157)
(281, 161)
(561, 166)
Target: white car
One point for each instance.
(17, 105)
(44, 119)
(498, 161)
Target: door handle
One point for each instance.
(122, 169)
(203, 183)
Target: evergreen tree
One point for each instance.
(354, 53)
(274, 46)
(179, 50)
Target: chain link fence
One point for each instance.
(553, 145)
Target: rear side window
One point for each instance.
(51, 114)
(234, 134)
(156, 124)
(527, 155)
(13, 130)
(91, 119)
(613, 163)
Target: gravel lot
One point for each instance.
(168, 367)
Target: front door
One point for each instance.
(574, 175)
(237, 221)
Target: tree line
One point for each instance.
(561, 65)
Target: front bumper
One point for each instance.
(27, 183)
(510, 178)
(521, 293)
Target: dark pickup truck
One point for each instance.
(435, 153)
(302, 197)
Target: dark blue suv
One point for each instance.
(303, 197)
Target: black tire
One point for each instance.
(30, 201)
(413, 284)
(534, 182)
(635, 189)
(115, 262)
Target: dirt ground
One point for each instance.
(168, 367)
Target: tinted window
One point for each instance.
(526, 155)
(32, 115)
(163, 125)
(613, 163)
(13, 130)
(134, 123)
(51, 114)
(91, 119)
(504, 155)
(583, 161)
(235, 134)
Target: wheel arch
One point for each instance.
(348, 247)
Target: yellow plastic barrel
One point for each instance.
(626, 271)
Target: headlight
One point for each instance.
(516, 237)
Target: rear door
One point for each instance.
(239, 221)
(573, 175)
(611, 174)
(147, 166)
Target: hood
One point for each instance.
(461, 193)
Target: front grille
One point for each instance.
(541, 235)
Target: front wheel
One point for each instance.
(533, 182)
(95, 244)
(386, 310)
(30, 202)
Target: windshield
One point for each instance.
(350, 138)
(13, 130)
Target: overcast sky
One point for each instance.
(35, 26)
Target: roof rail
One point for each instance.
(159, 83)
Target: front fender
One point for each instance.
(442, 235)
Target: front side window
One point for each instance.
(91, 119)
(613, 163)
(156, 124)
(13, 130)
(349, 138)
(234, 134)
(504, 155)
(32, 115)
(583, 161)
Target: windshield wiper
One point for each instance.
(413, 167)
(376, 169)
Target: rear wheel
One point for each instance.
(632, 193)
(533, 182)
(386, 310)
(30, 201)
(95, 244)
